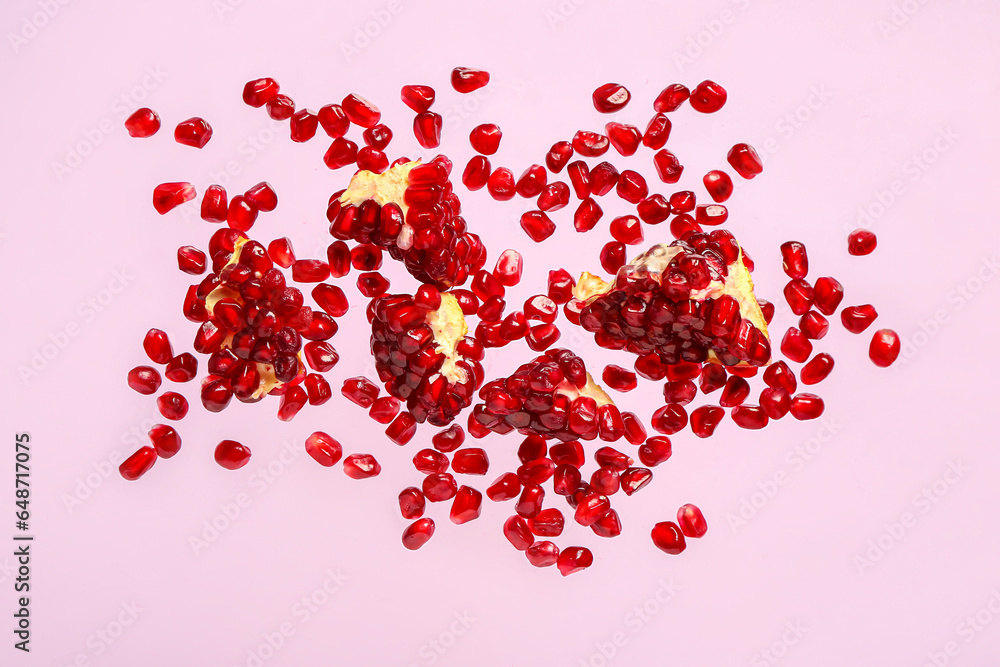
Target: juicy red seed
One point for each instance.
(532, 448)
(384, 409)
(632, 187)
(517, 532)
(142, 123)
(668, 537)
(138, 464)
(779, 375)
(242, 213)
(827, 295)
(542, 554)
(704, 420)
(193, 132)
(471, 461)
(884, 348)
(372, 159)
(262, 196)
(429, 461)
(799, 295)
(719, 185)
(618, 378)
(449, 439)
(485, 138)
(506, 487)
(669, 419)
(360, 111)
(708, 97)
(558, 156)
(324, 449)
(144, 379)
(590, 144)
(334, 121)
(612, 256)
(579, 176)
(567, 453)
(361, 466)
(861, 242)
(292, 401)
(418, 98)
(735, 392)
(182, 368)
(806, 406)
(671, 97)
(611, 97)
(342, 152)
(156, 343)
(683, 201)
(627, 229)
(165, 440)
(549, 523)
(331, 299)
(657, 132)
(651, 367)
(501, 184)
(259, 92)
(190, 260)
(492, 309)
(653, 209)
(691, 521)
(766, 309)
(310, 271)
(537, 225)
(603, 177)
(542, 336)
(377, 137)
(172, 406)
(373, 284)
(655, 451)
(609, 525)
(427, 129)
(775, 402)
(681, 392)
(567, 480)
(486, 285)
(587, 215)
(466, 79)
(749, 417)
(858, 318)
(167, 196)
(411, 503)
(591, 508)
(529, 503)
(668, 167)
(402, 429)
(360, 390)
(508, 268)
(611, 457)
(536, 472)
(635, 432)
(560, 286)
(794, 260)
(813, 325)
(817, 369)
(713, 376)
(281, 107)
(711, 215)
(322, 357)
(744, 159)
(574, 559)
(477, 173)
(215, 204)
(467, 301)
(466, 506)
(418, 533)
(439, 487)
(625, 138)
(366, 257)
(232, 455)
(532, 181)
(303, 125)
(553, 196)
(795, 346)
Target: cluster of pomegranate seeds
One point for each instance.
(686, 309)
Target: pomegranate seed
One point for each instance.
(775, 402)
(373, 284)
(168, 196)
(605, 480)
(719, 186)
(767, 309)
(806, 406)
(566, 480)
(704, 420)
(827, 295)
(259, 92)
(418, 533)
(579, 176)
(501, 184)
(466, 79)
(466, 506)
(360, 390)
(215, 204)
(542, 554)
(331, 299)
(418, 98)
(587, 215)
(471, 461)
(323, 449)
(360, 111)
(655, 451)
(322, 357)
(293, 400)
(281, 253)
(156, 343)
(609, 525)
(411, 503)
(691, 521)
(361, 466)
(603, 177)
(567, 453)
(558, 156)
(611, 97)
(373, 160)
(485, 138)
(508, 268)
(384, 409)
(193, 132)
(429, 461)
(708, 97)
(653, 209)
(172, 406)
(439, 487)
(449, 439)
(657, 132)
(542, 336)
(574, 559)
(745, 161)
(627, 229)
(476, 173)
(342, 152)
(537, 225)
(590, 144)
(635, 432)
(858, 318)
(142, 123)
(467, 301)
(282, 107)
(548, 523)
(402, 429)
(232, 455)
(861, 242)
(536, 472)
(779, 375)
(634, 479)
(303, 125)
(506, 487)
(669, 419)
(682, 202)
(190, 260)
(713, 376)
(529, 503)
(680, 392)
(138, 464)
(532, 181)
(553, 197)
(533, 446)
(667, 537)
(884, 348)
(668, 167)
(671, 97)
(625, 138)
(613, 256)
(334, 121)
(749, 417)
(591, 508)
(165, 440)
(427, 297)
(711, 215)
(794, 260)
(144, 379)
(651, 367)
(619, 378)
(427, 129)
(310, 271)
(181, 368)
(799, 295)
(796, 346)
(817, 369)
(377, 137)
(366, 257)
(813, 325)
(735, 392)
(517, 532)
(242, 213)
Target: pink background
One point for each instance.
(840, 101)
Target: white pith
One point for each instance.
(448, 326)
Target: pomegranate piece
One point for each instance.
(796, 346)
(590, 144)
(402, 429)
(191, 260)
(794, 260)
(529, 503)
(705, 419)
(138, 464)
(669, 419)
(611, 97)
(655, 451)
(827, 295)
(627, 229)
(259, 92)
(333, 120)
(172, 406)
(749, 417)
(517, 532)
(579, 176)
(508, 268)
(591, 508)
(164, 440)
(467, 505)
(324, 449)
(668, 537)
(342, 152)
(232, 455)
(360, 111)
(168, 196)
(553, 197)
(467, 80)
(653, 209)
(681, 392)
(858, 318)
(373, 160)
(574, 559)
(418, 533)
(559, 156)
(587, 215)
(361, 466)
(427, 129)
(618, 378)
(779, 375)
(744, 159)
(707, 97)
(668, 167)
(817, 369)
(321, 356)
(194, 132)
(242, 214)
(861, 242)
(485, 138)
(671, 97)
(142, 123)
(377, 137)
(884, 348)
(418, 98)
(799, 295)
(144, 379)
(806, 406)
(411, 503)
(719, 185)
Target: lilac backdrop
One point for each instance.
(882, 109)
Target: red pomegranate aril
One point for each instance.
(766, 309)
(651, 367)
(858, 318)
(681, 392)
(779, 375)
(560, 286)
(612, 256)
(559, 156)
(302, 125)
(634, 479)
(574, 559)
(671, 97)
(411, 503)
(172, 405)
(214, 204)
(292, 401)
(669, 419)
(322, 357)
(342, 152)
(668, 167)
(418, 533)
(427, 297)
(194, 132)
(705, 419)
(618, 378)
(775, 402)
(429, 461)
(471, 461)
(508, 268)
(427, 129)
(182, 368)
(232, 455)
(719, 185)
(566, 480)
(418, 98)
(366, 257)
(609, 525)
(157, 346)
(142, 123)
(657, 132)
(553, 197)
(683, 201)
(744, 159)
(538, 471)
(242, 213)
(587, 215)
(517, 532)
(611, 97)
(537, 225)
(749, 417)
(360, 111)
(529, 503)
(813, 325)
(466, 506)
(138, 464)
(373, 284)
(361, 466)
(708, 97)
(485, 285)
(794, 260)
(324, 449)
(334, 121)
(711, 215)
(168, 196)
(191, 260)
(144, 379)
(331, 299)
(827, 295)
(532, 181)
(799, 295)
(668, 537)
(467, 79)
(485, 138)
(372, 159)
(735, 392)
(533, 447)
(590, 144)
(402, 429)
(282, 107)
(884, 348)
(806, 406)
(861, 242)
(549, 523)
(691, 521)
(505, 487)
(579, 176)
(605, 480)
(817, 369)
(655, 451)
(360, 390)
(603, 177)
(796, 346)
(713, 377)
(567, 453)
(310, 271)
(468, 301)
(625, 138)
(634, 431)
(384, 409)
(685, 370)
(477, 173)
(591, 508)
(653, 209)
(449, 439)
(542, 554)
(259, 92)
(542, 336)
(439, 487)
(627, 229)
(378, 137)
(501, 185)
